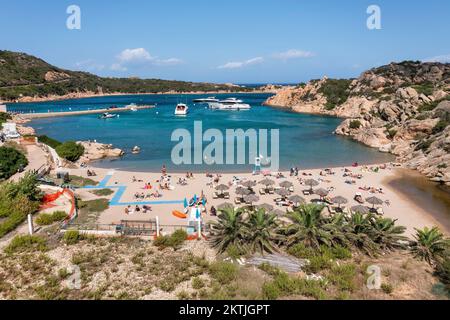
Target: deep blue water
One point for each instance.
(306, 141)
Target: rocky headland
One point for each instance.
(401, 108)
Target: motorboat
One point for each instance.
(132, 107)
(136, 150)
(229, 104)
(181, 109)
(108, 115)
(205, 100)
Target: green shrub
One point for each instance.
(175, 240)
(336, 92)
(11, 160)
(270, 291)
(355, 124)
(26, 243)
(387, 288)
(4, 116)
(96, 205)
(45, 219)
(70, 150)
(49, 141)
(343, 276)
(102, 192)
(223, 272)
(301, 251)
(72, 237)
(392, 133)
(440, 126)
(197, 283)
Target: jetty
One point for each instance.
(81, 112)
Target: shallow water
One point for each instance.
(426, 194)
(306, 141)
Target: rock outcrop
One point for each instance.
(401, 108)
(96, 151)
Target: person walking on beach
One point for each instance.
(164, 170)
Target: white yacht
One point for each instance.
(181, 109)
(205, 100)
(230, 104)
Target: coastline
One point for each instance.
(84, 95)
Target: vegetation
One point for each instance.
(26, 243)
(4, 116)
(72, 237)
(17, 200)
(45, 219)
(78, 181)
(430, 245)
(49, 141)
(22, 74)
(102, 192)
(355, 124)
(11, 161)
(175, 240)
(440, 126)
(432, 105)
(425, 88)
(336, 92)
(70, 150)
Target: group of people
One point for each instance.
(145, 209)
(294, 172)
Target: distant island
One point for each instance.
(27, 78)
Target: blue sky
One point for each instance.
(247, 41)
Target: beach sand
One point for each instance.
(401, 207)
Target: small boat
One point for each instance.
(181, 109)
(205, 100)
(179, 214)
(108, 115)
(132, 107)
(135, 150)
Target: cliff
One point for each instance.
(401, 108)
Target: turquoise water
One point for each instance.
(306, 141)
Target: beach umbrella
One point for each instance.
(360, 209)
(222, 187)
(251, 198)
(242, 191)
(198, 214)
(296, 199)
(374, 201)
(265, 206)
(286, 184)
(248, 183)
(282, 192)
(195, 198)
(225, 205)
(204, 202)
(321, 192)
(339, 200)
(312, 183)
(185, 203)
(267, 182)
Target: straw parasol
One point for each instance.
(222, 187)
(312, 183)
(321, 192)
(225, 205)
(374, 201)
(265, 206)
(251, 198)
(296, 199)
(242, 191)
(267, 182)
(282, 192)
(360, 209)
(339, 200)
(248, 183)
(286, 184)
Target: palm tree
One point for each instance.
(387, 235)
(308, 226)
(228, 230)
(429, 245)
(358, 231)
(261, 232)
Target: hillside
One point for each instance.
(23, 75)
(401, 108)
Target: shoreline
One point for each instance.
(409, 213)
(71, 96)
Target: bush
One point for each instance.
(223, 272)
(270, 291)
(45, 219)
(96, 205)
(355, 124)
(440, 126)
(343, 276)
(175, 240)
(70, 150)
(72, 237)
(301, 251)
(336, 92)
(49, 141)
(102, 192)
(26, 243)
(11, 161)
(197, 283)
(387, 288)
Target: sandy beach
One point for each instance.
(398, 206)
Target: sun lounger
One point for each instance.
(380, 211)
(306, 192)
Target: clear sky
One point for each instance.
(246, 41)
